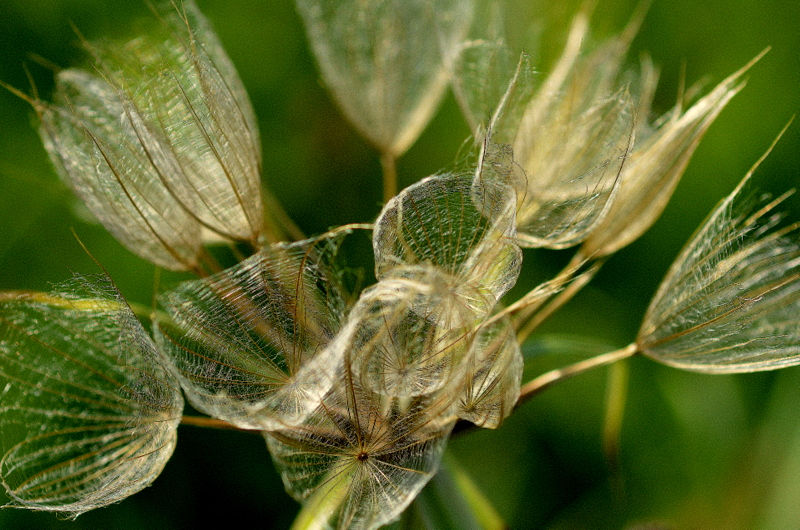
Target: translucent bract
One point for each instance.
(99, 147)
(360, 459)
(246, 343)
(463, 227)
(657, 163)
(387, 62)
(161, 141)
(88, 415)
(730, 301)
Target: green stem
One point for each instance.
(548, 379)
(389, 165)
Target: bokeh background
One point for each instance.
(697, 451)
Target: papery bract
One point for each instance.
(493, 369)
(410, 332)
(161, 142)
(247, 343)
(387, 62)
(190, 97)
(360, 459)
(657, 163)
(463, 227)
(96, 142)
(730, 301)
(88, 415)
(571, 140)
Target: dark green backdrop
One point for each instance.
(697, 451)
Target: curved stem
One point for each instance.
(531, 320)
(548, 379)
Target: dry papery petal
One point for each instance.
(87, 414)
(409, 333)
(360, 459)
(464, 228)
(494, 373)
(484, 76)
(248, 344)
(193, 106)
(571, 141)
(731, 300)
(657, 163)
(387, 62)
(100, 149)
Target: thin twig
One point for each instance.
(212, 423)
(548, 379)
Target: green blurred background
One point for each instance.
(697, 451)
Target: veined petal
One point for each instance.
(730, 301)
(193, 105)
(360, 459)
(656, 165)
(96, 143)
(408, 334)
(494, 374)
(246, 343)
(88, 416)
(387, 62)
(464, 227)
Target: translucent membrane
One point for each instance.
(360, 459)
(98, 146)
(187, 91)
(88, 415)
(493, 370)
(160, 141)
(409, 334)
(464, 228)
(571, 140)
(730, 301)
(485, 71)
(246, 343)
(387, 62)
(657, 163)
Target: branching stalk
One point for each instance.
(548, 379)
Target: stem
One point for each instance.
(548, 379)
(212, 423)
(542, 311)
(389, 165)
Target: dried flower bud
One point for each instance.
(161, 144)
(387, 62)
(730, 301)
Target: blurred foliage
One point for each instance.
(697, 451)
